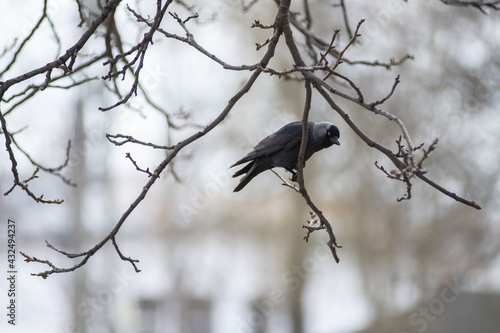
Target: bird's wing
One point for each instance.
(285, 138)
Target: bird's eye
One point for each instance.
(329, 133)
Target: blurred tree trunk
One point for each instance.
(76, 232)
(296, 254)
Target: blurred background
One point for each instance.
(216, 261)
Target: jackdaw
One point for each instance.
(281, 149)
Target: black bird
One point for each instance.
(281, 149)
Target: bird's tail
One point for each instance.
(244, 170)
(250, 171)
(243, 182)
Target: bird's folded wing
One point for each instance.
(272, 144)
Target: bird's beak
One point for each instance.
(335, 141)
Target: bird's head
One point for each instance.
(327, 132)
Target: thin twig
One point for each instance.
(122, 257)
(131, 139)
(146, 171)
(330, 47)
(383, 100)
(54, 171)
(285, 182)
(449, 193)
(341, 53)
(376, 63)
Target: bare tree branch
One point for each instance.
(294, 51)
(161, 167)
(26, 40)
(121, 61)
(481, 5)
(140, 50)
(56, 171)
(70, 56)
(346, 19)
(315, 41)
(189, 39)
